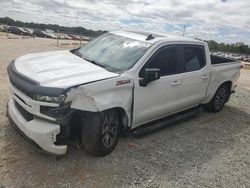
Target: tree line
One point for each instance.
(40, 26)
(238, 47)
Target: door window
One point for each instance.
(166, 60)
(194, 58)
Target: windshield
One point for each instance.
(113, 52)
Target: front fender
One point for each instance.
(103, 95)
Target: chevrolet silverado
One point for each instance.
(117, 82)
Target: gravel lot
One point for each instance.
(208, 150)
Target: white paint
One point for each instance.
(194, 85)
(60, 69)
(220, 74)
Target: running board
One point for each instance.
(156, 125)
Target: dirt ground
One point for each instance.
(208, 150)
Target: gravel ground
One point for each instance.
(207, 150)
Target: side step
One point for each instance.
(156, 125)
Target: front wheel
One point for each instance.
(100, 132)
(220, 98)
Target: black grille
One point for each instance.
(28, 116)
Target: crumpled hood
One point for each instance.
(60, 69)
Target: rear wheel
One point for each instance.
(100, 132)
(220, 98)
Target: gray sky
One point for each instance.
(221, 20)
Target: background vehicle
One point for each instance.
(3, 28)
(74, 37)
(43, 34)
(18, 31)
(64, 36)
(28, 31)
(50, 33)
(117, 82)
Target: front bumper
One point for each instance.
(41, 132)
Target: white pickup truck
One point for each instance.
(117, 82)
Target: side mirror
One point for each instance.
(150, 74)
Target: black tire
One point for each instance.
(100, 132)
(220, 98)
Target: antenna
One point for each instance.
(184, 28)
(76, 17)
(150, 37)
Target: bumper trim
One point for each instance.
(21, 132)
(42, 133)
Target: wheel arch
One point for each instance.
(212, 90)
(123, 117)
(228, 84)
(212, 105)
(78, 115)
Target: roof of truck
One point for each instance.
(155, 37)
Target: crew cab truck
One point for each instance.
(117, 82)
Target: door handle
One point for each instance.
(204, 77)
(175, 83)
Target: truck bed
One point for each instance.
(223, 70)
(219, 60)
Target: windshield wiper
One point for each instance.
(94, 62)
(76, 52)
(107, 67)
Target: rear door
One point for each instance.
(195, 77)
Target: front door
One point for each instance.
(159, 98)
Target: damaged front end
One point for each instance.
(50, 116)
(39, 112)
(63, 116)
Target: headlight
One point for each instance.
(52, 99)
